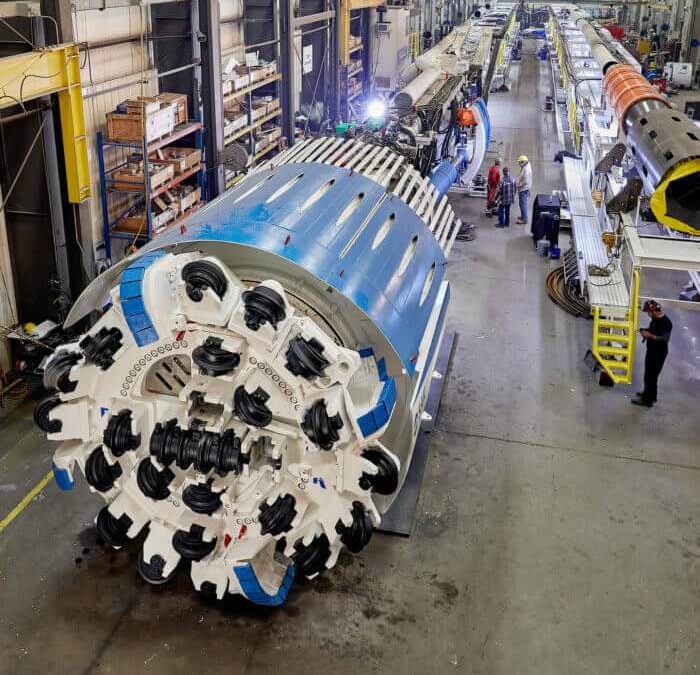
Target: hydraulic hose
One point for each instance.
(562, 295)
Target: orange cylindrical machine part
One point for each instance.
(466, 117)
(623, 86)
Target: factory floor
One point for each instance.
(558, 530)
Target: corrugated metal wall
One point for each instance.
(232, 29)
(110, 75)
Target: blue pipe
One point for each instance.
(445, 174)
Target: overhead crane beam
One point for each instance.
(46, 71)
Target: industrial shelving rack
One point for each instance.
(189, 132)
(269, 83)
(357, 71)
(261, 32)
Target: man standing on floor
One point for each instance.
(505, 198)
(494, 180)
(656, 337)
(524, 185)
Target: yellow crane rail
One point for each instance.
(53, 70)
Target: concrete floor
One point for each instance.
(558, 530)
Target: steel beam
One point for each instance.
(84, 5)
(53, 70)
(286, 8)
(313, 18)
(26, 9)
(62, 12)
(212, 96)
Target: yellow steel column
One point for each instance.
(70, 105)
(53, 70)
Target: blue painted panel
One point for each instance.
(313, 240)
(62, 478)
(485, 119)
(375, 419)
(131, 299)
(252, 589)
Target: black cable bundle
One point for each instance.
(563, 295)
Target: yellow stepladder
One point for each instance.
(614, 339)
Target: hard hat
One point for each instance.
(651, 306)
(522, 159)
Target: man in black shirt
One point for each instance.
(656, 337)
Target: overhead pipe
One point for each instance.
(412, 92)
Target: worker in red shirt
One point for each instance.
(494, 180)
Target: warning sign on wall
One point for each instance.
(307, 59)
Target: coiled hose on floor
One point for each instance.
(563, 295)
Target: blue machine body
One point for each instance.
(342, 253)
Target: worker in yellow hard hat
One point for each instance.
(524, 184)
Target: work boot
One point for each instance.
(639, 400)
(520, 221)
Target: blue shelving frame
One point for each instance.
(190, 132)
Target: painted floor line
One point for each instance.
(25, 501)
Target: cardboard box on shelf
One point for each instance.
(188, 200)
(234, 124)
(131, 178)
(240, 77)
(259, 109)
(181, 198)
(133, 127)
(272, 105)
(267, 136)
(135, 222)
(181, 159)
(179, 102)
(233, 107)
(137, 106)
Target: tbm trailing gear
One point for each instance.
(251, 395)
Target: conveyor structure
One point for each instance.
(250, 398)
(639, 166)
(439, 118)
